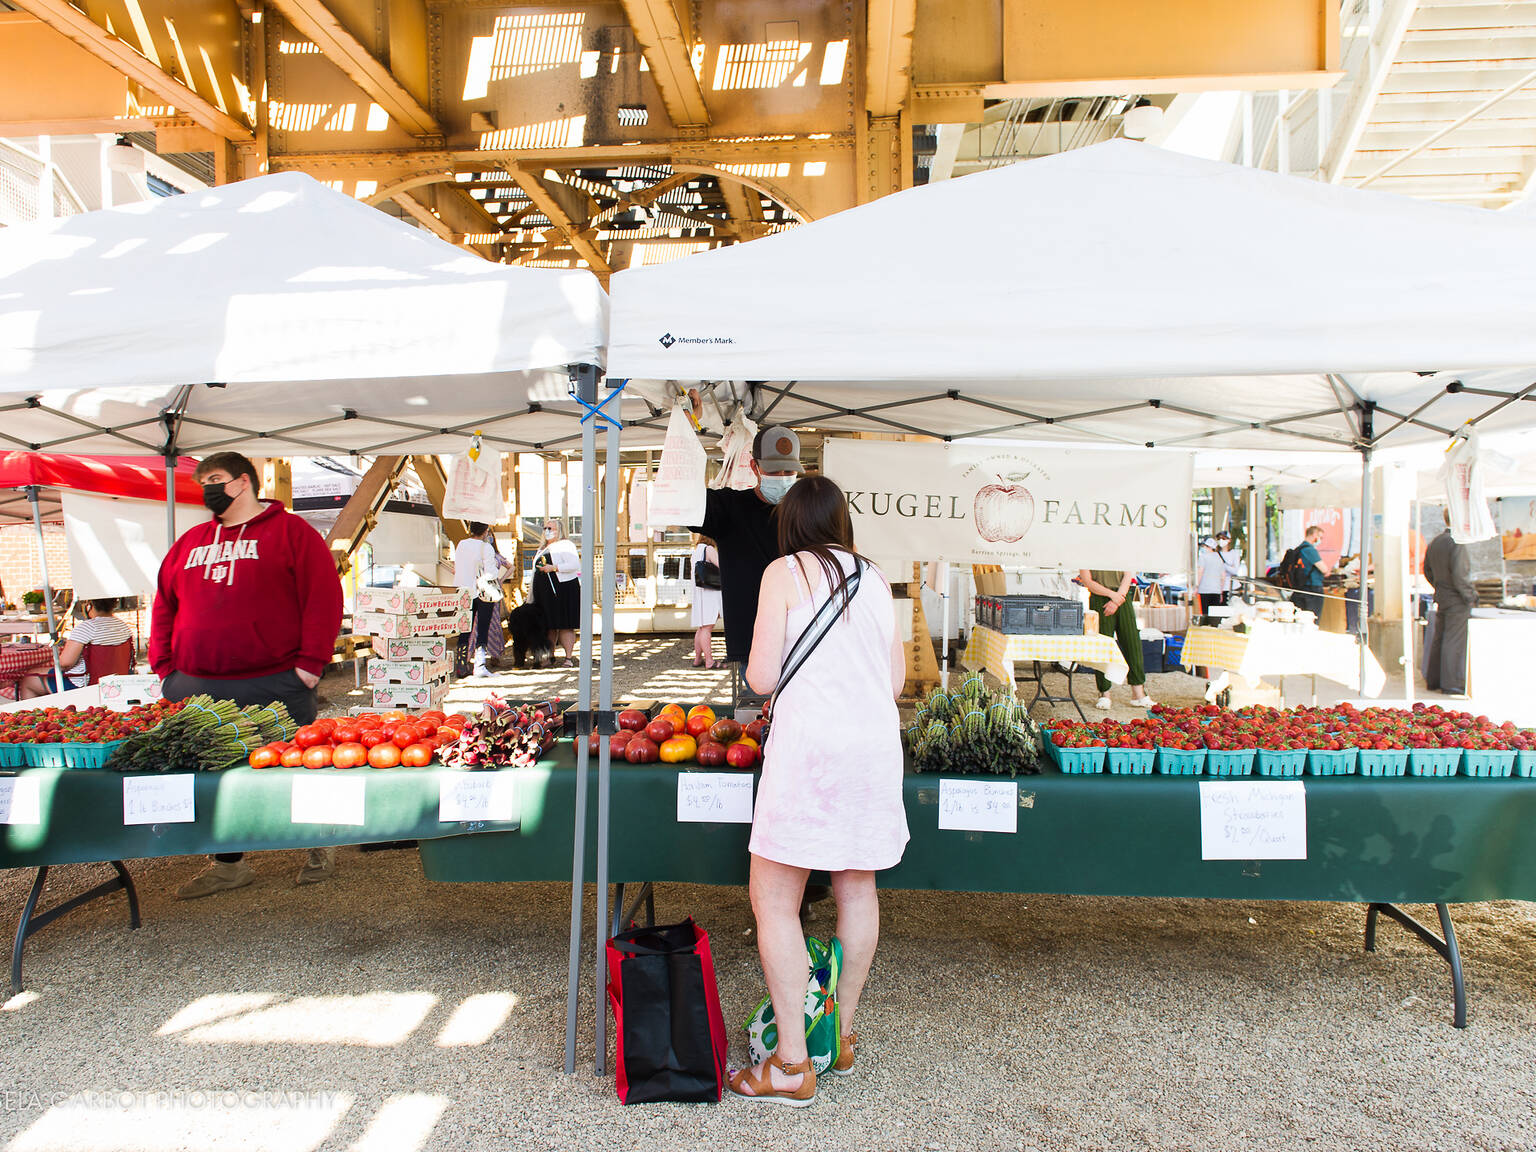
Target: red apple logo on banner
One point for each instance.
(1004, 511)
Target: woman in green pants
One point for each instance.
(1109, 596)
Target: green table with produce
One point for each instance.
(1380, 840)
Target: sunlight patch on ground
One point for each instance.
(374, 1020)
(403, 1124)
(475, 1021)
(170, 1121)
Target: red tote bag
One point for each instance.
(667, 1018)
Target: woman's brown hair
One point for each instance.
(813, 517)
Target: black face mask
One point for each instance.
(215, 499)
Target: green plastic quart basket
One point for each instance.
(1280, 762)
(1525, 763)
(1487, 762)
(1325, 762)
(1434, 761)
(1079, 761)
(13, 755)
(43, 755)
(93, 756)
(1178, 762)
(1229, 761)
(1131, 761)
(1383, 761)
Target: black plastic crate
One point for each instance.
(1152, 654)
(1035, 615)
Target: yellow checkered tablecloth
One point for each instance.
(997, 652)
(1269, 649)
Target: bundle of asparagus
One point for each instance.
(206, 735)
(973, 731)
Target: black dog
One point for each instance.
(528, 629)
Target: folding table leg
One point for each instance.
(32, 920)
(1444, 946)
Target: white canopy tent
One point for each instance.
(1117, 292)
(279, 317)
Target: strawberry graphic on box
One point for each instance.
(407, 671)
(414, 601)
(419, 648)
(408, 696)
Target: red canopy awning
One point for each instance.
(134, 477)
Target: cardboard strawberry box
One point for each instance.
(390, 625)
(408, 671)
(124, 692)
(415, 696)
(414, 601)
(419, 648)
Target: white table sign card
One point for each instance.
(158, 799)
(714, 798)
(1253, 820)
(979, 805)
(476, 796)
(21, 800)
(326, 800)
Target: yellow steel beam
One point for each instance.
(746, 209)
(888, 58)
(75, 24)
(665, 42)
(319, 24)
(360, 512)
(419, 212)
(574, 230)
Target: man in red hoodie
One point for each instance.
(247, 609)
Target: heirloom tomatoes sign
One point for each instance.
(1039, 507)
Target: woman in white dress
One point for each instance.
(706, 603)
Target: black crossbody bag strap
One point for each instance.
(819, 626)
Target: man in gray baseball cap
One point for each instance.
(740, 521)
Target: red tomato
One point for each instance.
(425, 725)
(388, 728)
(445, 736)
(293, 757)
(326, 724)
(346, 732)
(372, 737)
(394, 714)
(308, 736)
(367, 720)
(383, 756)
(405, 735)
(416, 756)
(318, 756)
(349, 755)
(435, 715)
(660, 731)
(267, 757)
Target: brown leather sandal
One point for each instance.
(846, 1044)
(758, 1083)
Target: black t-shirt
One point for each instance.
(742, 527)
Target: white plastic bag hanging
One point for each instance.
(1463, 478)
(474, 486)
(677, 493)
(736, 448)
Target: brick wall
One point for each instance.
(20, 570)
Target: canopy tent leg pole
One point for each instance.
(170, 502)
(944, 631)
(1405, 578)
(1362, 626)
(584, 377)
(42, 552)
(610, 507)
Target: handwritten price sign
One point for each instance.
(476, 796)
(979, 805)
(21, 800)
(158, 800)
(714, 798)
(1253, 820)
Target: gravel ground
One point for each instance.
(332, 1017)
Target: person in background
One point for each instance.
(830, 797)
(247, 609)
(1309, 598)
(477, 567)
(1109, 594)
(557, 588)
(740, 522)
(1448, 568)
(705, 608)
(97, 626)
(1214, 582)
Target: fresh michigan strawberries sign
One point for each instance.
(1040, 507)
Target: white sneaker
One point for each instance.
(1144, 702)
(1105, 703)
(481, 671)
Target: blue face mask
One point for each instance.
(773, 488)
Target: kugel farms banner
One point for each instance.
(1037, 507)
